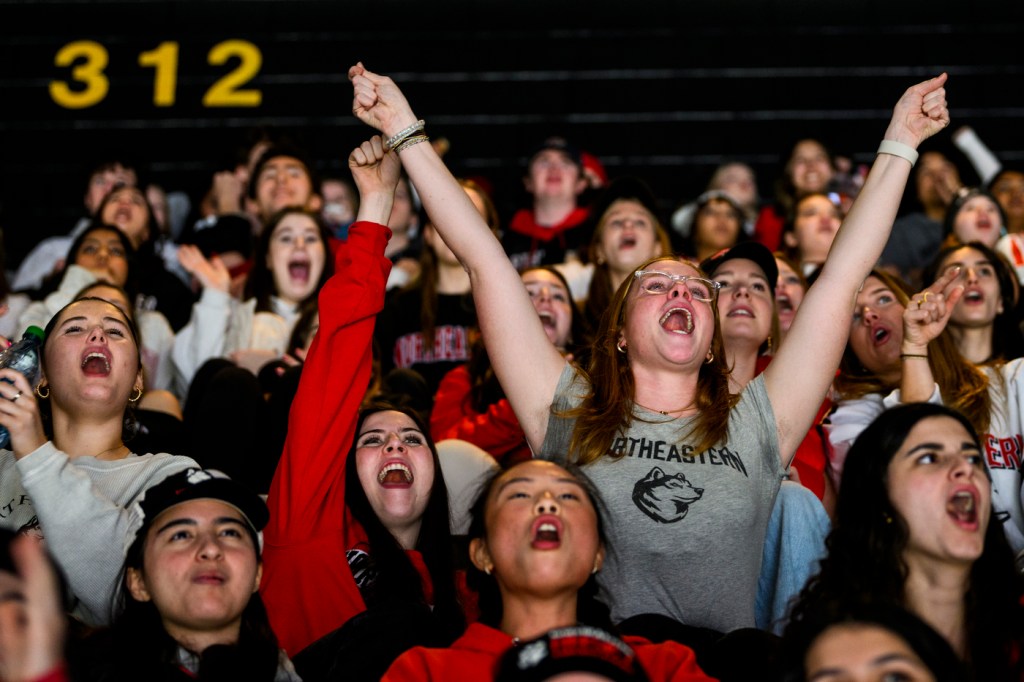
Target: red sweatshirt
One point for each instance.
(475, 655)
(495, 431)
(307, 584)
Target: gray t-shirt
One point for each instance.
(685, 530)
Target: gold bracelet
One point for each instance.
(402, 134)
(912, 355)
(405, 144)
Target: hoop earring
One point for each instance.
(711, 356)
(137, 396)
(40, 393)
(620, 346)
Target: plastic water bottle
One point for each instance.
(22, 356)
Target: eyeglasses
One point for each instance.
(658, 282)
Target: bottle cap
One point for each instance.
(36, 332)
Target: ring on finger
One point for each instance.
(16, 396)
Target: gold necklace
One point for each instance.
(113, 449)
(665, 413)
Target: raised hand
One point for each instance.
(378, 102)
(227, 192)
(920, 113)
(376, 174)
(31, 628)
(212, 273)
(928, 312)
(373, 169)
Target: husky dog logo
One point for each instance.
(665, 499)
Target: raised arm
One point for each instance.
(526, 363)
(307, 586)
(923, 320)
(799, 376)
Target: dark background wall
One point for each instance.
(664, 90)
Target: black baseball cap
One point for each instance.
(753, 251)
(559, 144)
(201, 484)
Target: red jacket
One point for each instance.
(496, 431)
(307, 584)
(475, 655)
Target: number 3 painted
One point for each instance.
(89, 72)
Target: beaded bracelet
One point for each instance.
(405, 144)
(898, 149)
(402, 134)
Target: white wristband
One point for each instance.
(898, 149)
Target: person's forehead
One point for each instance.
(388, 419)
(979, 202)
(968, 255)
(296, 221)
(542, 277)
(873, 287)
(551, 154)
(102, 235)
(93, 309)
(282, 162)
(675, 267)
(623, 207)
(740, 266)
(784, 268)
(808, 148)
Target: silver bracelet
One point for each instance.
(898, 149)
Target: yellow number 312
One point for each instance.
(93, 58)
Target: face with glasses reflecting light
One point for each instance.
(669, 318)
(981, 301)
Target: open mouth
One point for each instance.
(627, 243)
(880, 335)
(299, 271)
(973, 297)
(783, 304)
(395, 475)
(96, 364)
(547, 533)
(962, 507)
(677, 321)
(741, 311)
(547, 319)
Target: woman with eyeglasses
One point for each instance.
(688, 469)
